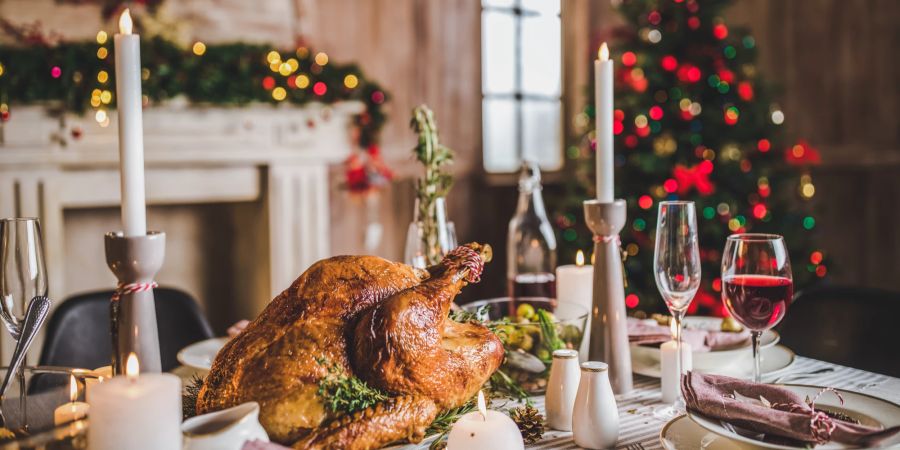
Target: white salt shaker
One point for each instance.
(595, 418)
(670, 381)
(561, 389)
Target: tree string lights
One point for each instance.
(693, 120)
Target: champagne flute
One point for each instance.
(757, 284)
(23, 277)
(676, 266)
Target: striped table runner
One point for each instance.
(639, 429)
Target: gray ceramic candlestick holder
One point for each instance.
(609, 332)
(134, 260)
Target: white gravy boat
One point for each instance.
(227, 429)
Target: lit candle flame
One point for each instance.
(482, 408)
(604, 52)
(579, 258)
(73, 389)
(125, 23)
(132, 367)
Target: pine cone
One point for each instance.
(530, 422)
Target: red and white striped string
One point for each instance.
(131, 288)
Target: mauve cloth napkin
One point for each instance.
(640, 332)
(262, 445)
(788, 415)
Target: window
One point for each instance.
(521, 83)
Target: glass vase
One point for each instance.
(430, 235)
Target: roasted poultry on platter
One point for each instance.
(385, 323)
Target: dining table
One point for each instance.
(639, 428)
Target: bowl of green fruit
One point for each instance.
(531, 328)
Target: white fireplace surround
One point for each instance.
(193, 155)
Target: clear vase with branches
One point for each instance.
(431, 234)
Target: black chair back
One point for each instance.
(850, 326)
(78, 331)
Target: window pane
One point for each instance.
(544, 7)
(498, 3)
(542, 133)
(541, 58)
(498, 52)
(499, 130)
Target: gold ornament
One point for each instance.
(730, 324)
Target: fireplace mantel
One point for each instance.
(277, 155)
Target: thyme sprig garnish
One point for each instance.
(346, 394)
(189, 397)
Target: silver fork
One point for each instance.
(37, 311)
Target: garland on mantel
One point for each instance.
(80, 76)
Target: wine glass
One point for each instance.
(757, 284)
(23, 277)
(676, 266)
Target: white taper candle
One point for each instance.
(603, 98)
(131, 138)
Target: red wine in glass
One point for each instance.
(758, 301)
(533, 285)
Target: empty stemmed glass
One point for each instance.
(23, 277)
(676, 266)
(757, 284)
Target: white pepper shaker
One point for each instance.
(595, 418)
(561, 389)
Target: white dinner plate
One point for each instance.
(712, 361)
(682, 433)
(200, 355)
(772, 360)
(868, 410)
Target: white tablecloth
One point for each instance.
(639, 429)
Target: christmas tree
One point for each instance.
(694, 120)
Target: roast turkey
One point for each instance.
(381, 321)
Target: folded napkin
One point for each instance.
(772, 410)
(641, 332)
(262, 445)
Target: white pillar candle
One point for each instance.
(575, 284)
(485, 430)
(669, 380)
(72, 411)
(603, 103)
(102, 374)
(131, 138)
(137, 412)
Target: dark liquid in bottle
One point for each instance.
(759, 302)
(533, 285)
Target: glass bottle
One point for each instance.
(531, 244)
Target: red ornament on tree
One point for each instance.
(802, 154)
(696, 177)
(668, 63)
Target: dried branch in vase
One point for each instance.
(434, 185)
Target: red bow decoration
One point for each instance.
(696, 177)
(365, 171)
(802, 154)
